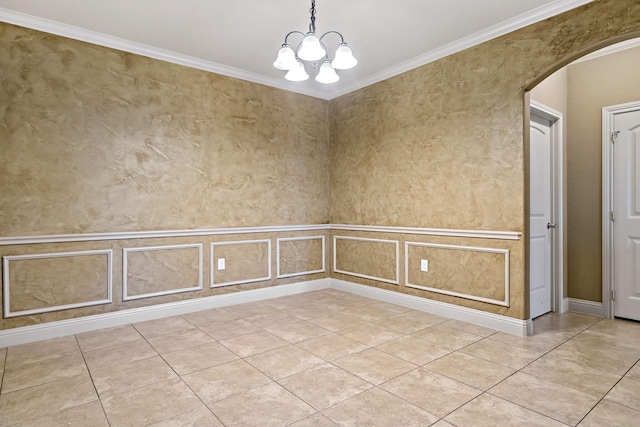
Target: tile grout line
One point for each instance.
(612, 387)
(180, 376)
(93, 384)
(533, 361)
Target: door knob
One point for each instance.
(550, 225)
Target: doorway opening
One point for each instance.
(582, 90)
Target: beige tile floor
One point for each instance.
(327, 358)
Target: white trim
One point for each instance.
(213, 284)
(27, 334)
(480, 234)
(477, 317)
(586, 307)
(125, 265)
(113, 42)
(94, 237)
(61, 238)
(607, 207)
(565, 305)
(7, 286)
(608, 114)
(300, 273)
(614, 48)
(558, 263)
(364, 276)
(515, 23)
(482, 36)
(505, 252)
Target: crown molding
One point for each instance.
(521, 21)
(93, 37)
(100, 39)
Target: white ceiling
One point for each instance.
(240, 38)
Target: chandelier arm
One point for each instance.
(293, 32)
(332, 32)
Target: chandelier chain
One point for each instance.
(312, 11)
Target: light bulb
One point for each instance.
(344, 58)
(311, 49)
(297, 73)
(327, 73)
(286, 58)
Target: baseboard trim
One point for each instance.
(565, 306)
(586, 307)
(27, 334)
(478, 317)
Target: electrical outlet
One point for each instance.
(424, 265)
(221, 264)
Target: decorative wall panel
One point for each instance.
(297, 256)
(40, 283)
(476, 273)
(161, 270)
(245, 261)
(376, 259)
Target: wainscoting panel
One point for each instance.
(246, 261)
(62, 277)
(376, 259)
(476, 273)
(161, 270)
(40, 283)
(298, 256)
(66, 277)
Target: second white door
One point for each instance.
(626, 196)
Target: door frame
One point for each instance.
(608, 114)
(558, 302)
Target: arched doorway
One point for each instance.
(580, 89)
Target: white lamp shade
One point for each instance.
(327, 73)
(344, 58)
(286, 58)
(311, 49)
(297, 73)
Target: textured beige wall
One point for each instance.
(593, 85)
(443, 145)
(97, 140)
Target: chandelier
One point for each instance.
(313, 50)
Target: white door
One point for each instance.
(626, 207)
(540, 224)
